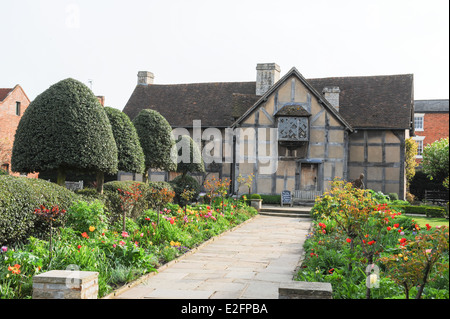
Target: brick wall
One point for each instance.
(9, 121)
(435, 127)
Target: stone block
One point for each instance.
(305, 290)
(65, 284)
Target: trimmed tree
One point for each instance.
(130, 154)
(155, 135)
(189, 156)
(65, 128)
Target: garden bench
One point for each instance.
(437, 197)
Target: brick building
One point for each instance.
(13, 103)
(431, 121)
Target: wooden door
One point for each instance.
(308, 177)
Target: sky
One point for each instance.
(104, 43)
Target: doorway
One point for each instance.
(308, 176)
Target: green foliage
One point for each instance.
(271, 199)
(83, 215)
(118, 256)
(353, 231)
(410, 160)
(155, 135)
(429, 211)
(435, 159)
(255, 196)
(64, 127)
(113, 201)
(189, 156)
(19, 197)
(393, 196)
(182, 182)
(131, 157)
(422, 182)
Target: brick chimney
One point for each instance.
(267, 74)
(331, 93)
(145, 78)
(101, 99)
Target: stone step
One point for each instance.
(296, 212)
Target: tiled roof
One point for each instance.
(180, 104)
(373, 101)
(364, 102)
(4, 93)
(427, 106)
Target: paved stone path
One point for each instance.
(249, 262)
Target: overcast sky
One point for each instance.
(108, 42)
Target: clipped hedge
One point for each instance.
(19, 197)
(429, 211)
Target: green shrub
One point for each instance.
(19, 197)
(271, 199)
(82, 215)
(113, 201)
(393, 196)
(429, 211)
(255, 196)
(90, 194)
(180, 183)
(73, 133)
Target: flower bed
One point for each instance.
(369, 250)
(90, 242)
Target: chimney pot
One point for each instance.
(145, 78)
(267, 74)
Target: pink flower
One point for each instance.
(125, 234)
(122, 243)
(114, 245)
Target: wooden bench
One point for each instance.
(436, 197)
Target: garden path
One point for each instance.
(248, 262)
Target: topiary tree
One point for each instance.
(155, 135)
(189, 156)
(65, 128)
(130, 154)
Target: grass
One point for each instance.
(422, 221)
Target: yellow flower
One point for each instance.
(400, 255)
(91, 228)
(405, 259)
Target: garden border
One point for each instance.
(141, 279)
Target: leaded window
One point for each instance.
(293, 129)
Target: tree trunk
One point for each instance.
(424, 281)
(100, 182)
(145, 175)
(61, 179)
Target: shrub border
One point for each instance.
(138, 281)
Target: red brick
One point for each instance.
(9, 120)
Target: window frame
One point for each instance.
(419, 117)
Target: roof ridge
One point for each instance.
(361, 76)
(196, 83)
